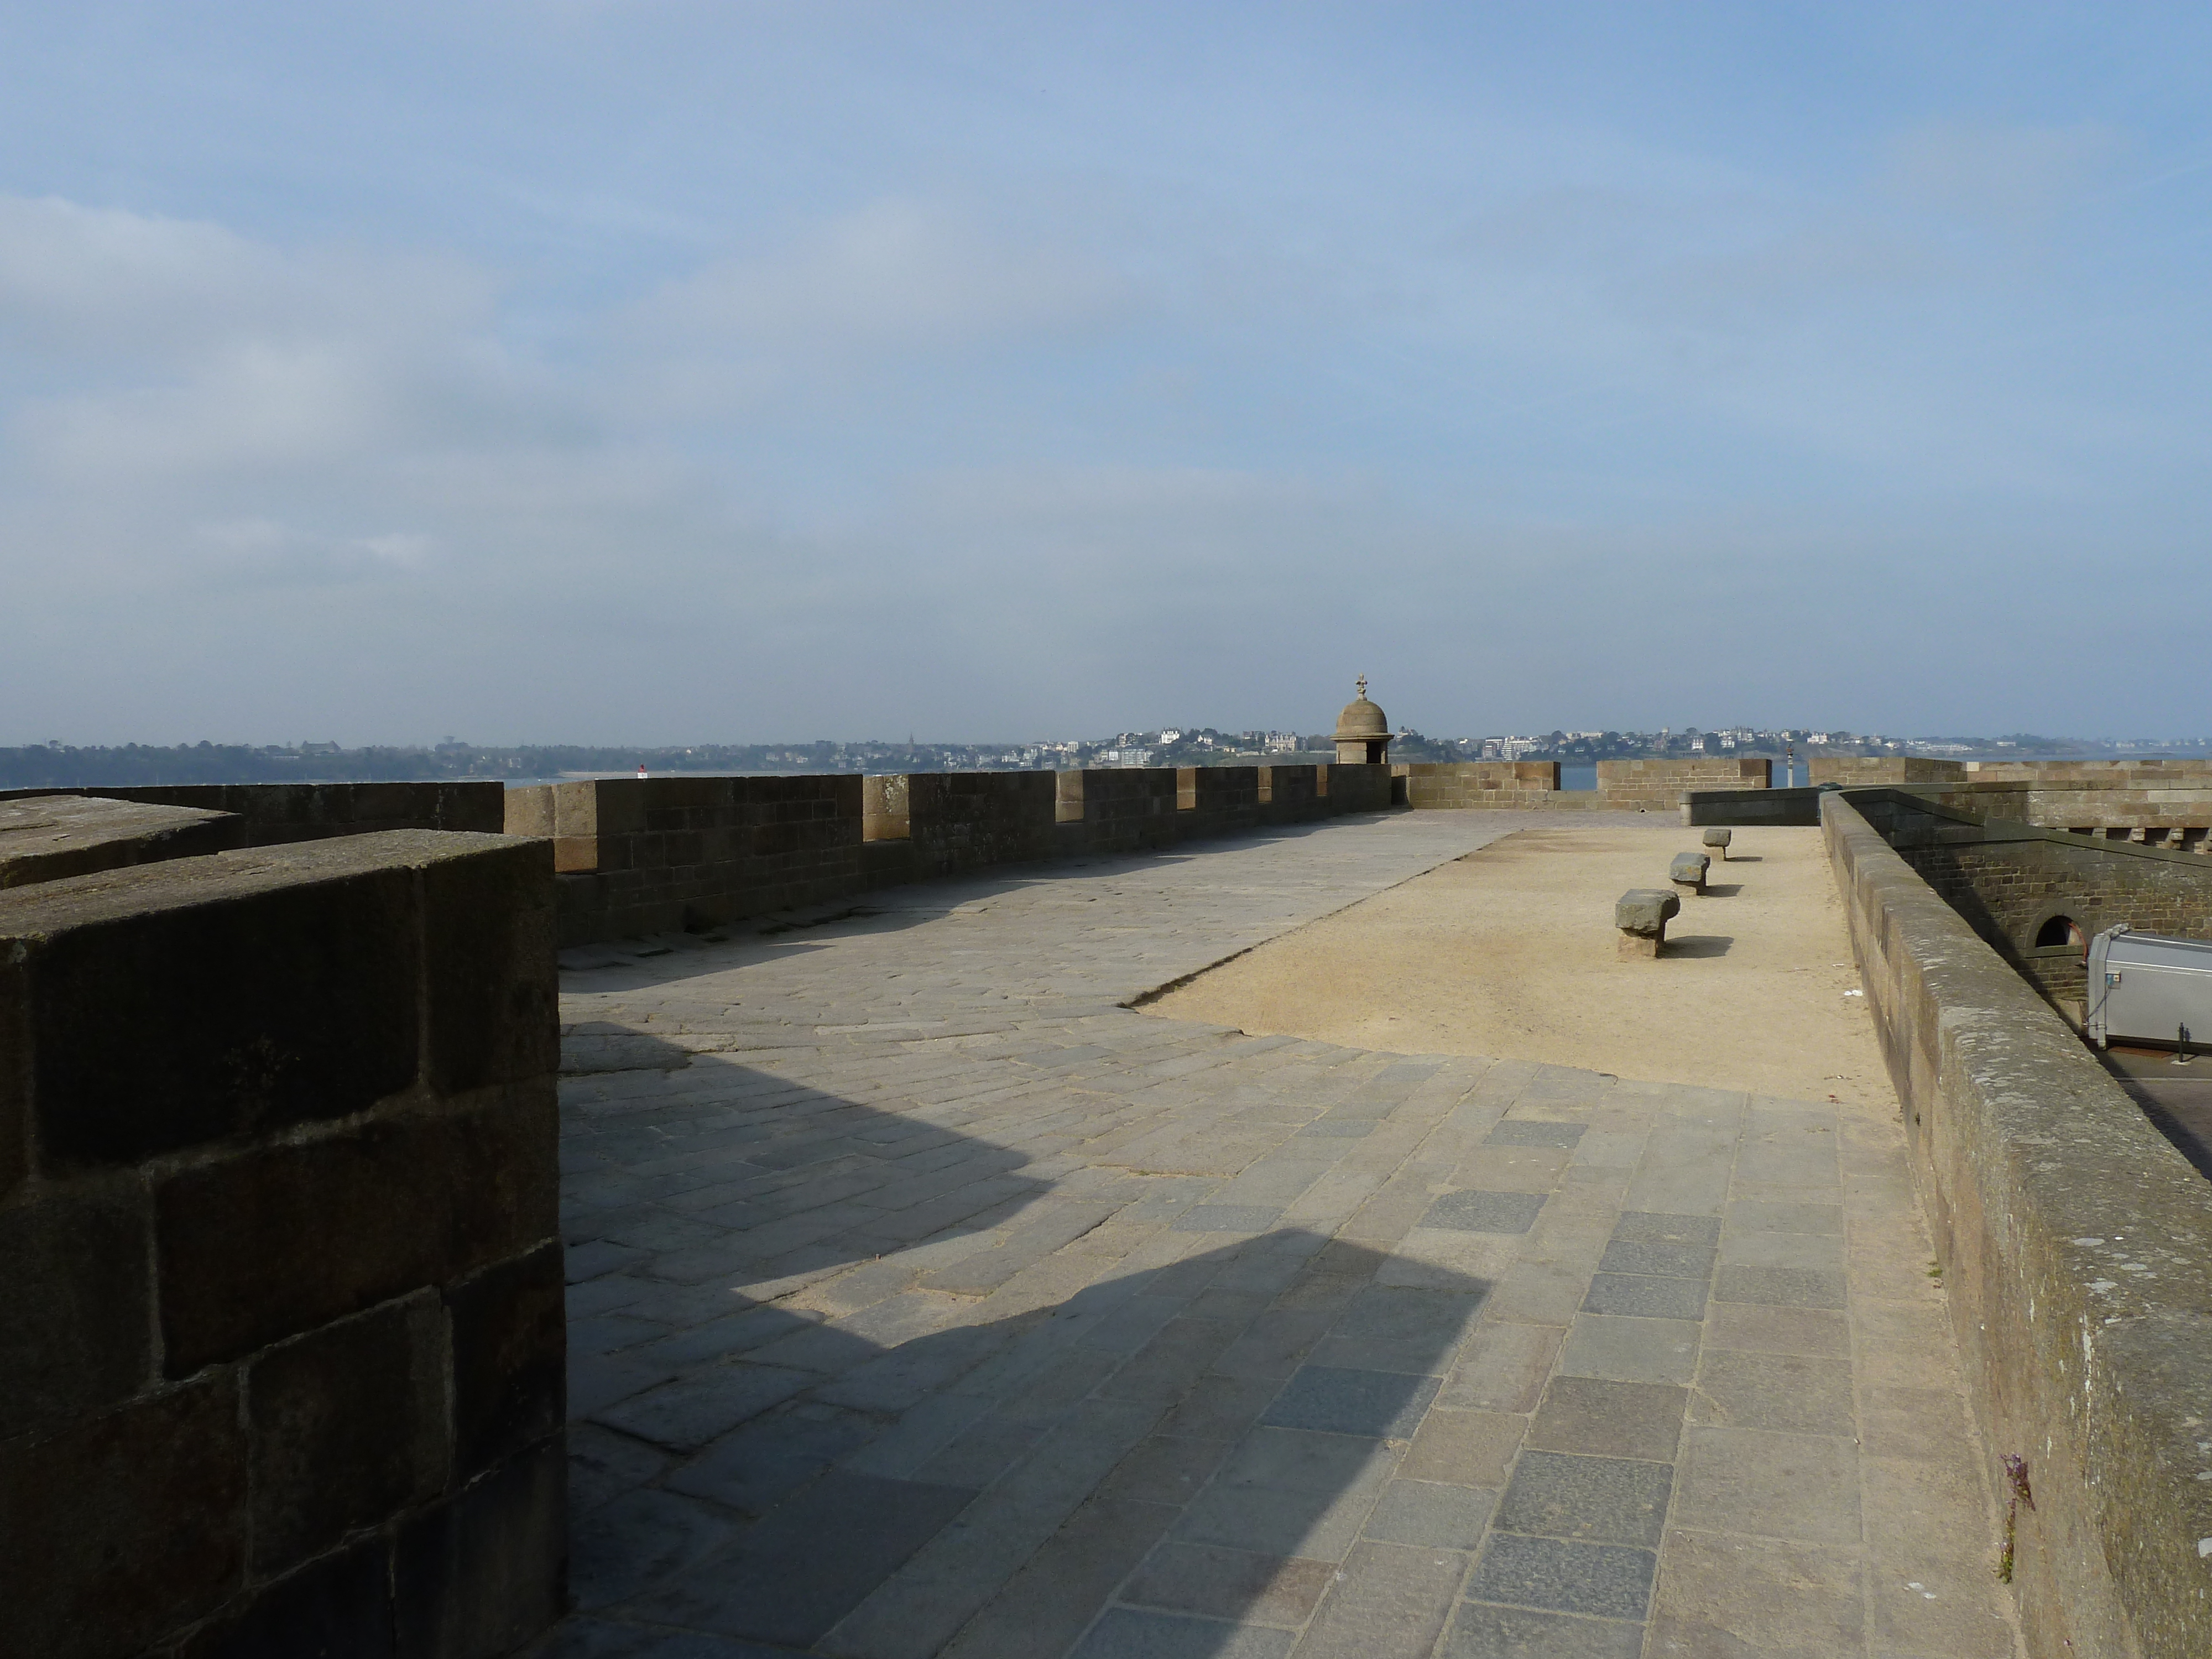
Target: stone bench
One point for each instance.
(1688, 870)
(1641, 914)
(1720, 838)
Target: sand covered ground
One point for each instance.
(1509, 953)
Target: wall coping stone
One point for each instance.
(51, 837)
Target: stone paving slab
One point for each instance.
(927, 1300)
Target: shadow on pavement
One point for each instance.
(2176, 1099)
(1222, 1425)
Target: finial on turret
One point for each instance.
(1362, 684)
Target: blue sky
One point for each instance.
(658, 373)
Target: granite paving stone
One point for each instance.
(1786, 1392)
(1141, 1633)
(1230, 1585)
(1608, 1580)
(1645, 1296)
(1468, 1449)
(1609, 1499)
(1387, 1405)
(1802, 1488)
(1610, 1419)
(1389, 1602)
(929, 1300)
(1534, 1132)
(1780, 1287)
(1631, 1350)
(1431, 1514)
(1474, 1212)
(1482, 1632)
(1662, 1261)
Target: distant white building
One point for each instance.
(1168, 734)
(1282, 743)
(1124, 757)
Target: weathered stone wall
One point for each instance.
(281, 1321)
(1462, 784)
(2007, 879)
(2077, 1246)
(1355, 788)
(1289, 794)
(2162, 803)
(1121, 810)
(49, 837)
(1653, 786)
(1859, 771)
(640, 856)
(278, 813)
(2121, 775)
(1220, 798)
(2171, 816)
(1800, 808)
(653, 855)
(917, 825)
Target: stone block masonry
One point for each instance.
(643, 856)
(1861, 770)
(2011, 881)
(1629, 786)
(274, 814)
(1477, 784)
(2158, 802)
(653, 855)
(48, 837)
(1657, 786)
(281, 1338)
(2075, 1245)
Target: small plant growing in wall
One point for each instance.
(2016, 1474)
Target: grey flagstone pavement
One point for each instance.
(925, 1299)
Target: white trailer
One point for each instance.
(2144, 987)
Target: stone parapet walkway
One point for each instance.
(927, 1300)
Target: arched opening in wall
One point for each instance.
(2059, 931)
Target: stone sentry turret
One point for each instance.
(1363, 732)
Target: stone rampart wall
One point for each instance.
(2095, 774)
(640, 856)
(281, 1316)
(1474, 784)
(276, 813)
(2007, 879)
(49, 837)
(2170, 814)
(2076, 1247)
(653, 855)
(1654, 786)
(920, 825)
(2161, 803)
(1629, 786)
(1290, 794)
(1859, 771)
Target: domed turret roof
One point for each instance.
(1361, 719)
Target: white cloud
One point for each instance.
(97, 282)
(902, 274)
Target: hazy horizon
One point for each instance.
(634, 369)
